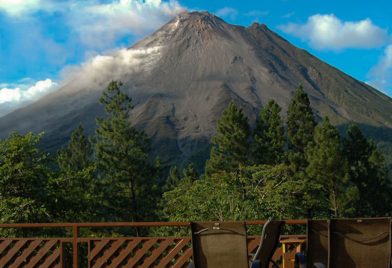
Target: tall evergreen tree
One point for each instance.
(368, 172)
(269, 137)
(230, 144)
(122, 160)
(190, 172)
(172, 180)
(78, 154)
(24, 176)
(73, 191)
(328, 168)
(300, 127)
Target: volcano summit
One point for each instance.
(184, 75)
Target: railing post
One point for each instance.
(75, 245)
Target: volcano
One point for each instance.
(183, 76)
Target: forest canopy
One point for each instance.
(298, 168)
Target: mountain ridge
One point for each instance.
(182, 77)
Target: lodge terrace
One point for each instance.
(355, 240)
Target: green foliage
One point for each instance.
(230, 144)
(73, 190)
(172, 180)
(78, 155)
(126, 176)
(24, 174)
(222, 196)
(300, 127)
(328, 168)
(113, 179)
(367, 171)
(286, 196)
(269, 140)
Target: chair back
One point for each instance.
(219, 244)
(269, 242)
(317, 244)
(360, 243)
(345, 243)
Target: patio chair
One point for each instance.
(360, 243)
(268, 243)
(346, 243)
(317, 243)
(219, 244)
(224, 244)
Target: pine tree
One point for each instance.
(122, 160)
(300, 127)
(230, 145)
(24, 176)
(269, 136)
(367, 171)
(73, 191)
(78, 154)
(328, 168)
(172, 180)
(190, 172)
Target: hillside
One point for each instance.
(183, 76)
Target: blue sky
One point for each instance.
(41, 39)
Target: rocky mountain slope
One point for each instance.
(183, 76)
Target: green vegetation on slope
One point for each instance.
(310, 171)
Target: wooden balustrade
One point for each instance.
(113, 252)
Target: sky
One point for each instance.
(41, 39)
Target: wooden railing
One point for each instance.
(123, 251)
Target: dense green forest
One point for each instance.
(295, 169)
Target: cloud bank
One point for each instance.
(94, 26)
(19, 7)
(99, 24)
(227, 12)
(13, 97)
(327, 32)
(381, 74)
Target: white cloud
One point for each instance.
(330, 33)
(95, 26)
(21, 8)
(257, 13)
(101, 24)
(98, 25)
(381, 74)
(18, 7)
(227, 12)
(14, 97)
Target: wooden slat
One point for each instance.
(277, 254)
(157, 252)
(26, 253)
(253, 244)
(42, 252)
(141, 252)
(51, 259)
(125, 252)
(182, 243)
(181, 261)
(5, 244)
(12, 252)
(98, 247)
(109, 253)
